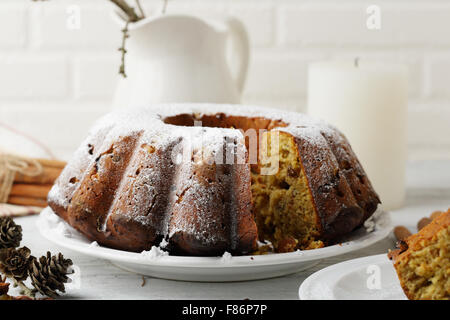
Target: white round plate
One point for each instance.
(211, 269)
(368, 278)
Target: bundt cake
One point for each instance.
(422, 261)
(213, 178)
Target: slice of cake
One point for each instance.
(422, 261)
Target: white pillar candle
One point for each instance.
(368, 103)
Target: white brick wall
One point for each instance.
(21, 77)
(337, 23)
(95, 76)
(55, 81)
(13, 16)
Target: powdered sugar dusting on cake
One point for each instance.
(169, 183)
(209, 142)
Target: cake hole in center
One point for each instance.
(222, 120)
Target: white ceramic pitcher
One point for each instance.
(183, 58)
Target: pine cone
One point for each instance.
(49, 274)
(10, 233)
(14, 263)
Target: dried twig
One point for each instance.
(164, 8)
(127, 9)
(141, 10)
(132, 16)
(123, 50)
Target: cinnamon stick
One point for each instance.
(423, 223)
(401, 233)
(48, 176)
(30, 190)
(26, 201)
(52, 163)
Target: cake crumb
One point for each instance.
(154, 252)
(94, 244)
(163, 244)
(226, 257)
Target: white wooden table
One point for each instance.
(428, 190)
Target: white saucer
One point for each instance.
(368, 278)
(226, 268)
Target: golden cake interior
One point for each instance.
(283, 204)
(282, 201)
(426, 274)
